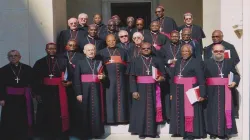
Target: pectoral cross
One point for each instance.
(148, 71)
(17, 79)
(154, 45)
(51, 75)
(180, 75)
(111, 60)
(221, 75)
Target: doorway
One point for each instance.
(134, 9)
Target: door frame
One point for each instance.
(106, 7)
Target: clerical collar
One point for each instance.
(155, 32)
(187, 41)
(75, 30)
(83, 25)
(189, 26)
(90, 58)
(146, 57)
(51, 56)
(126, 43)
(16, 65)
(175, 44)
(111, 48)
(91, 37)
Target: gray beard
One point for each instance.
(218, 59)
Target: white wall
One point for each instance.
(14, 29)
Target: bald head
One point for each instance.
(89, 50)
(73, 23)
(217, 36)
(218, 47)
(110, 40)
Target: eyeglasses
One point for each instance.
(145, 48)
(71, 45)
(122, 36)
(188, 18)
(218, 51)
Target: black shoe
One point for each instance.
(134, 133)
(176, 135)
(156, 136)
(213, 137)
(188, 138)
(142, 137)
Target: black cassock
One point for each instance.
(134, 52)
(50, 119)
(99, 44)
(197, 33)
(66, 35)
(144, 111)
(105, 33)
(115, 85)
(17, 113)
(157, 40)
(83, 28)
(167, 24)
(234, 55)
(216, 123)
(169, 51)
(129, 47)
(190, 68)
(195, 48)
(92, 108)
(72, 102)
(100, 29)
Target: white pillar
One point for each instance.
(246, 71)
(211, 19)
(46, 19)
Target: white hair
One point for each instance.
(89, 45)
(124, 31)
(138, 34)
(189, 46)
(83, 15)
(187, 14)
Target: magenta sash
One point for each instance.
(87, 78)
(166, 34)
(63, 100)
(27, 92)
(150, 80)
(188, 108)
(218, 81)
